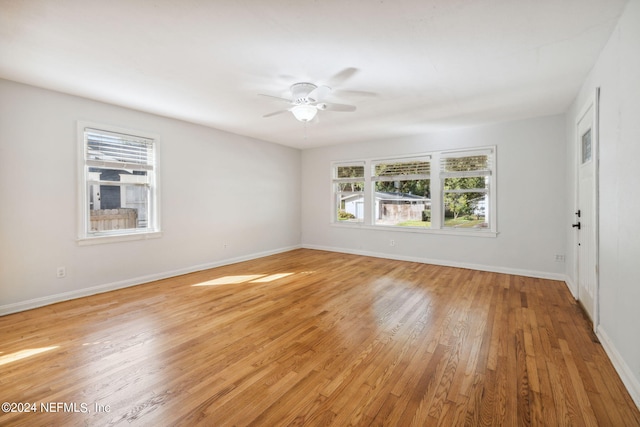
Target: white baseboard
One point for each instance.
(446, 263)
(631, 382)
(65, 296)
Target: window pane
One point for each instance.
(345, 187)
(586, 146)
(466, 183)
(466, 202)
(118, 199)
(132, 213)
(350, 172)
(403, 203)
(350, 201)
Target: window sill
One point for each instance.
(114, 238)
(444, 231)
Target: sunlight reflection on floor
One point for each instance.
(23, 354)
(250, 278)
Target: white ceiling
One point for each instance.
(410, 66)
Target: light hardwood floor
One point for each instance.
(314, 338)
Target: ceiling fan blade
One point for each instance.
(336, 107)
(363, 93)
(319, 93)
(275, 113)
(277, 97)
(341, 77)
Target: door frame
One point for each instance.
(594, 102)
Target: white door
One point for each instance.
(586, 220)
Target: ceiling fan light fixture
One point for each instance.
(304, 113)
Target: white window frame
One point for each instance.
(437, 193)
(489, 174)
(85, 235)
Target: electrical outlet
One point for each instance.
(559, 258)
(61, 272)
(392, 242)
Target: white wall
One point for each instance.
(531, 200)
(216, 188)
(617, 73)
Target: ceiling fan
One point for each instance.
(306, 100)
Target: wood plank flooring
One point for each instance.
(314, 338)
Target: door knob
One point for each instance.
(576, 225)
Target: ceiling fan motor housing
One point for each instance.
(300, 93)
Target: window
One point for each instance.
(401, 192)
(119, 184)
(586, 146)
(466, 177)
(348, 183)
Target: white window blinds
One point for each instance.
(407, 170)
(118, 151)
(349, 173)
(466, 164)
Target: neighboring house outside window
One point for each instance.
(118, 188)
